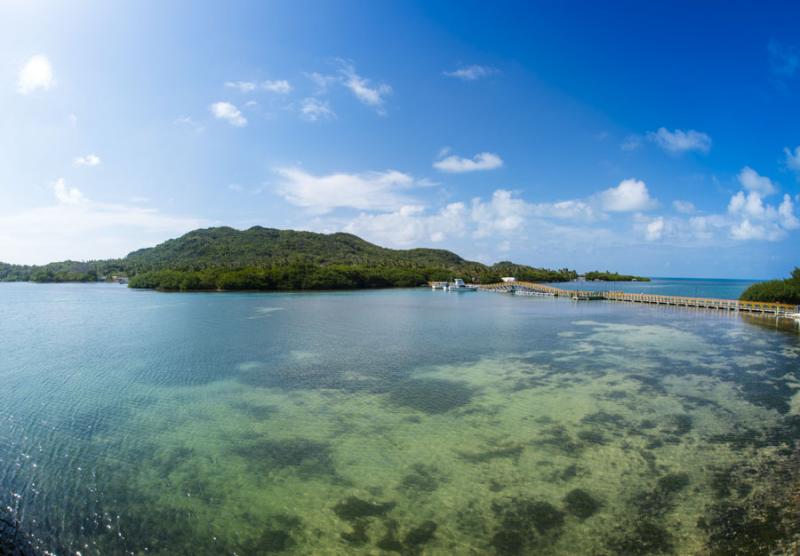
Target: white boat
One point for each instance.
(459, 286)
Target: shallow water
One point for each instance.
(404, 421)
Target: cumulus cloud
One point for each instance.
(679, 141)
(755, 219)
(654, 229)
(457, 164)
(313, 109)
(571, 209)
(373, 96)
(66, 195)
(79, 228)
(752, 181)
(502, 214)
(629, 196)
(471, 73)
(280, 86)
(364, 191)
(502, 217)
(36, 75)
(411, 225)
(241, 86)
(88, 160)
(228, 112)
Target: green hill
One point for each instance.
(268, 259)
(257, 246)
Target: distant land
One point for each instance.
(223, 259)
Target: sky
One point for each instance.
(656, 138)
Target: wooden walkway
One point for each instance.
(779, 309)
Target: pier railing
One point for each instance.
(779, 309)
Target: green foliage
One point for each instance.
(531, 274)
(776, 291)
(265, 247)
(267, 259)
(290, 277)
(614, 277)
(65, 271)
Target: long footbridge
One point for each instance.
(534, 288)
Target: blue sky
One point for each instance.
(659, 139)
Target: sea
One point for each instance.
(403, 421)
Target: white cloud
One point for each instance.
(280, 86)
(313, 109)
(503, 214)
(457, 164)
(361, 88)
(410, 225)
(654, 229)
(755, 219)
(228, 112)
(88, 160)
(78, 228)
(751, 181)
(746, 230)
(679, 141)
(241, 86)
(471, 73)
(786, 213)
(36, 75)
(365, 191)
(629, 196)
(792, 158)
(66, 195)
(571, 209)
(684, 207)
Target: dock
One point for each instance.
(534, 288)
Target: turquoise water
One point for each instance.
(392, 422)
(694, 287)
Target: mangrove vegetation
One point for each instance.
(776, 291)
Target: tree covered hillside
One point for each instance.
(259, 247)
(268, 259)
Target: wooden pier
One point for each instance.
(778, 309)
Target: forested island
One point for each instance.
(777, 291)
(259, 258)
(614, 277)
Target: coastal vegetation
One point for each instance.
(64, 271)
(776, 291)
(614, 277)
(259, 258)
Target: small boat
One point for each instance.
(459, 286)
